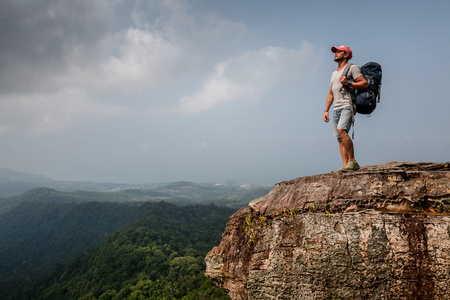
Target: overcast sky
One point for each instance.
(211, 90)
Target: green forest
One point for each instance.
(78, 245)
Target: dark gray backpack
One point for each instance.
(366, 100)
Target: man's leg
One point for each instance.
(346, 147)
(343, 152)
(342, 122)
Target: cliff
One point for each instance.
(382, 232)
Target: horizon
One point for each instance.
(228, 182)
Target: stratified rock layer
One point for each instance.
(379, 233)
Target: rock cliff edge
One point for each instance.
(382, 232)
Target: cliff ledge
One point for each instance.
(382, 232)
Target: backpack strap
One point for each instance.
(346, 69)
(352, 105)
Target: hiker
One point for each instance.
(341, 90)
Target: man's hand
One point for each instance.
(360, 83)
(326, 117)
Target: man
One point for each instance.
(341, 90)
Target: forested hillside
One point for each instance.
(35, 236)
(160, 255)
(125, 244)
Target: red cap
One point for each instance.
(343, 48)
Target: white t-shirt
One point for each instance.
(341, 94)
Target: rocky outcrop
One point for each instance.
(382, 232)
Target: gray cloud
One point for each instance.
(250, 75)
(41, 38)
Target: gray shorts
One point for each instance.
(342, 119)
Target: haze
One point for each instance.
(210, 90)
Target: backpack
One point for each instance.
(366, 100)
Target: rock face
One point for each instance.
(382, 232)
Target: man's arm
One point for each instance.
(360, 83)
(330, 98)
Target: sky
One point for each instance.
(146, 91)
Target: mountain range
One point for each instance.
(87, 240)
(15, 183)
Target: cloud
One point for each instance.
(40, 114)
(146, 59)
(141, 60)
(40, 39)
(48, 45)
(216, 89)
(250, 75)
(58, 58)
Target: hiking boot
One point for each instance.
(351, 166)
(340, 170)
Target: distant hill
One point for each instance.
(8, 175)
(17, 187)
(15, 183)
